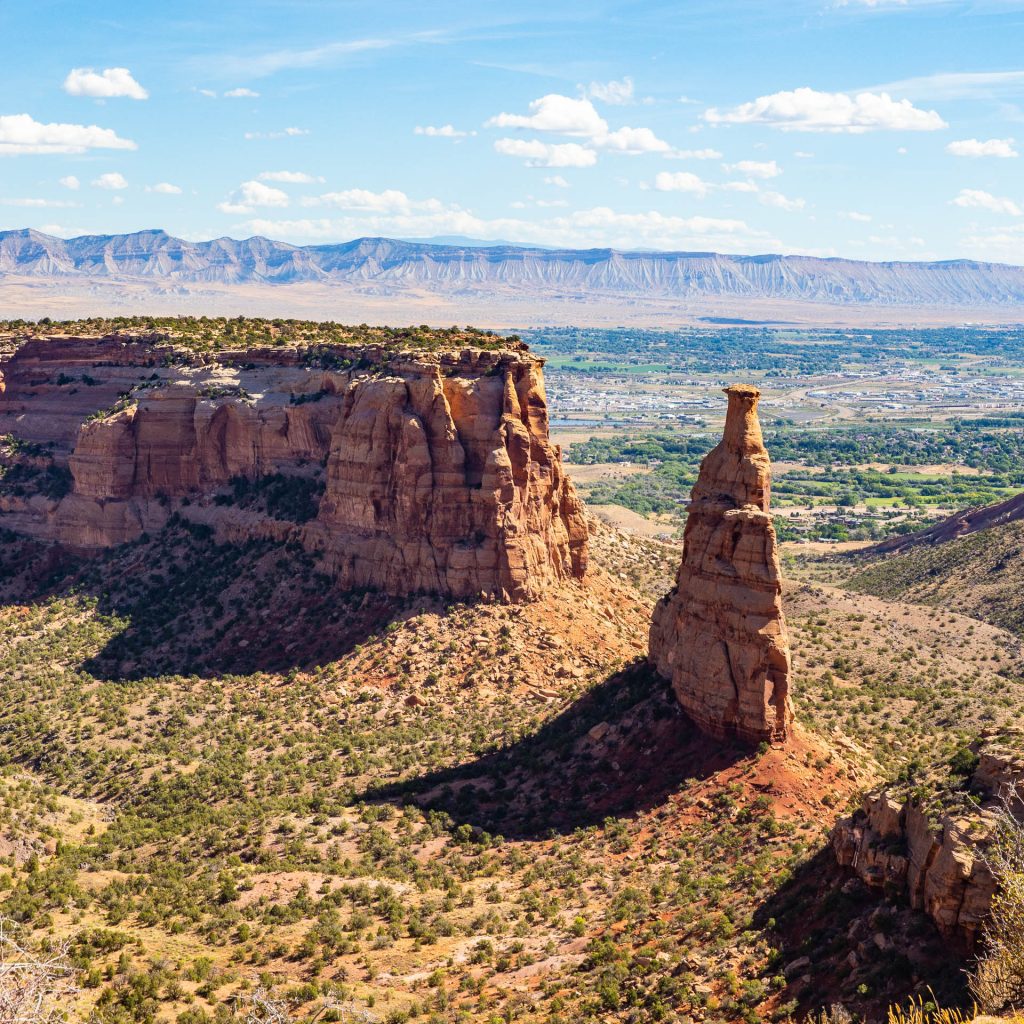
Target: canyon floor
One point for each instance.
(223, 776)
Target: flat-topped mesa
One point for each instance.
(428, 471)
(720, 634)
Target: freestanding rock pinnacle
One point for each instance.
(720, 635)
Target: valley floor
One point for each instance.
(230, 780)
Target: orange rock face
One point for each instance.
(436, 469)
(720, 634)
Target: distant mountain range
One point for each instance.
(386, 266)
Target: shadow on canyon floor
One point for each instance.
(189, 606)
(840, 942)
(625, 746)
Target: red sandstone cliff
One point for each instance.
(720, 635)
(933, 859)
(438, 472)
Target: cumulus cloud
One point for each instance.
(38, 204)
(989, 147)
(617, 93)
(860, 218)
(390, 201)
(107, 84)
(809, 110)
(577, 118)
(289, 177)
(287, 133)
(557, 180)
(696, 154)
(241, 93)
(20, 134)
(781, 202)
(546, 154)
(972, 198)
(252, 194)
(164, 188)
(445, 131)
(680, 181)
(633, 141)
(112, 181)
(561, 115)
(71, 182)
(599, 226)
(755, 168)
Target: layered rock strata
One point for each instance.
(436, 468)
(933, 859)
(720, 634)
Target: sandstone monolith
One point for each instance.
(720, 634)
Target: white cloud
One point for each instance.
(289, 177)
(71, 182)
(781, 202)
(390, 201)
(617, 93)
(562, 115)
(599, 226)
(680, 181)
(20, 134)
(112, 180)
(445, 131)
(288, 133)
(803, 154)
(164, 188)
(740, 186)
(260, 65)
(860, 218)
(107, 84)
(632, 141)
(209, 93)
(577, 118)
(546, 154)
(971, 198)
(809, 110)
(696, 154)
(252, 194)
(241, 93)
(557, 180)
(38, 204)
(755, 168)
(975, 147)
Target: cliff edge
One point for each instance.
(418, 471)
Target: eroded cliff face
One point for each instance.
(434, 471)
(720, 634)
(933, 859)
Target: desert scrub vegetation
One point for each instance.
(997, 981)
(223, 776)
(215, 334)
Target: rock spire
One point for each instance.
(720, 634)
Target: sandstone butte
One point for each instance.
(437, 471)
(720, 634)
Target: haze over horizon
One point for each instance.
(867, 129)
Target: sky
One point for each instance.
(873, 129)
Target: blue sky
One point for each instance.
(874, 129)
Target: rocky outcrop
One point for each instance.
(434, 470)
(720, 635)
(933, 858)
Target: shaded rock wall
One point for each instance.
(720, 635)
(438, 472)
(934, 860)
